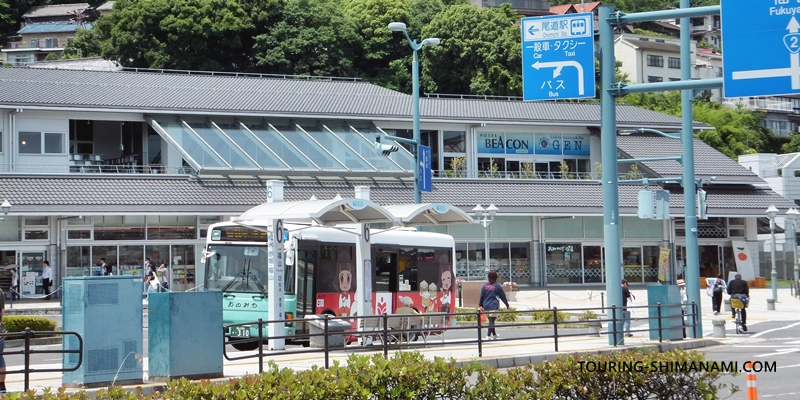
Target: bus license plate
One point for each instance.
(239, 331)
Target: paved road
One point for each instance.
(766, 343)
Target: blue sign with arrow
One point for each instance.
(760, 42)
(558, 57)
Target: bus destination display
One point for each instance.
(239, 234)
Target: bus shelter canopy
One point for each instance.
(429, 214)
(323, 212)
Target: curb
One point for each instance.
(521, 361)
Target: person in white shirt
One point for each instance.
(47, 279)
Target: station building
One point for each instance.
(134, 164)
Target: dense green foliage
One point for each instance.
(409, 375)
(16, 323)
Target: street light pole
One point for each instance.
(401, 27)
(485, 216)
(793, 214)
(771, 213)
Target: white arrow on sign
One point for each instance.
(558, 65)
(792, 43)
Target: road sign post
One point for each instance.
(558, 57)
(761, 44)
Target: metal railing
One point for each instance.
(27, 351)
(396, 338)
(95, 169)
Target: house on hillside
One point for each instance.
(59, 13)
(527, 8)
(38, 40)
(648, 59)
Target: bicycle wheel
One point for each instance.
(738, 321)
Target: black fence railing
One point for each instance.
(404, 330)
(27, 351)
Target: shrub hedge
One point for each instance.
(409, 375)
(18, 323)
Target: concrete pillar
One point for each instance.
(719, 328)
(727, 305)
(770, 304)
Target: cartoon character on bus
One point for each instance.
(345, 267)
(445, 282)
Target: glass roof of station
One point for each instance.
(252, 146)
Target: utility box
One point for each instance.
(184, 335)
(107, 312)
(336, 329)
(671, 317)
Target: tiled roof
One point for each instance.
(52, 27)
(107, 6)
(587, 7)
(173, 93)
(55, 10)
(157, 195)
(559, 10)
(708, 162)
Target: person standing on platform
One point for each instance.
(47, 279)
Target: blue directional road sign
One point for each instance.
(558, 57)
(760, 43)
(424, 166)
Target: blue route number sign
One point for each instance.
(761, 47)
(558, 57)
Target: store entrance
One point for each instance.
(714, 259)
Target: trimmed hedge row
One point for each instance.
(409, 375)
(18, 323)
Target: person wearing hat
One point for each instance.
(682, 284)
(626, 295)
(738, 288)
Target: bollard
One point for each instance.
(602, 302)
(719, 328)
(727, 305)
(770, 304)
(548, 298)
(752, 393)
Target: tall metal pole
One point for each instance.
(774, 274)
(486, 243)
(610, 179)
(415, 116)
(692, 277)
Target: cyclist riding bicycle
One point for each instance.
(738, 289)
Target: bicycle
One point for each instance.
(738, 306)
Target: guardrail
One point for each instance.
(26, 336)
(396, 335)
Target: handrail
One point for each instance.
(29, 334)
(398, 338)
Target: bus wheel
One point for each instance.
(240, 345)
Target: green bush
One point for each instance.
(473, 317)
(18, 323)
(409, 375)
(587, 315)
(546, 315)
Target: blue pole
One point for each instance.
(692, 277)
(415, 116)
(608, 145)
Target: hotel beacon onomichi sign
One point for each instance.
(528, 143)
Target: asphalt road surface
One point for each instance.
(768, 344)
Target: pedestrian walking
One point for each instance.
(491, 295)
(627, 297)
(14, 283)
(47, 279)
(164, 272)
(715, 288)
(152, 280)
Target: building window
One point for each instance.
(655, 61)
(674, 62)
(31, 143)
(51, 43)
(34, 43)
(652, 79)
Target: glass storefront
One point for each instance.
(510, 260)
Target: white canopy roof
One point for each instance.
(429, 214)
(324, 212)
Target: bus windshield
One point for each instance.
(237, 268)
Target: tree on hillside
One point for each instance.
(86, 43)
(736, 131)
(480, 52)
(210, 35)
(313, 37)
